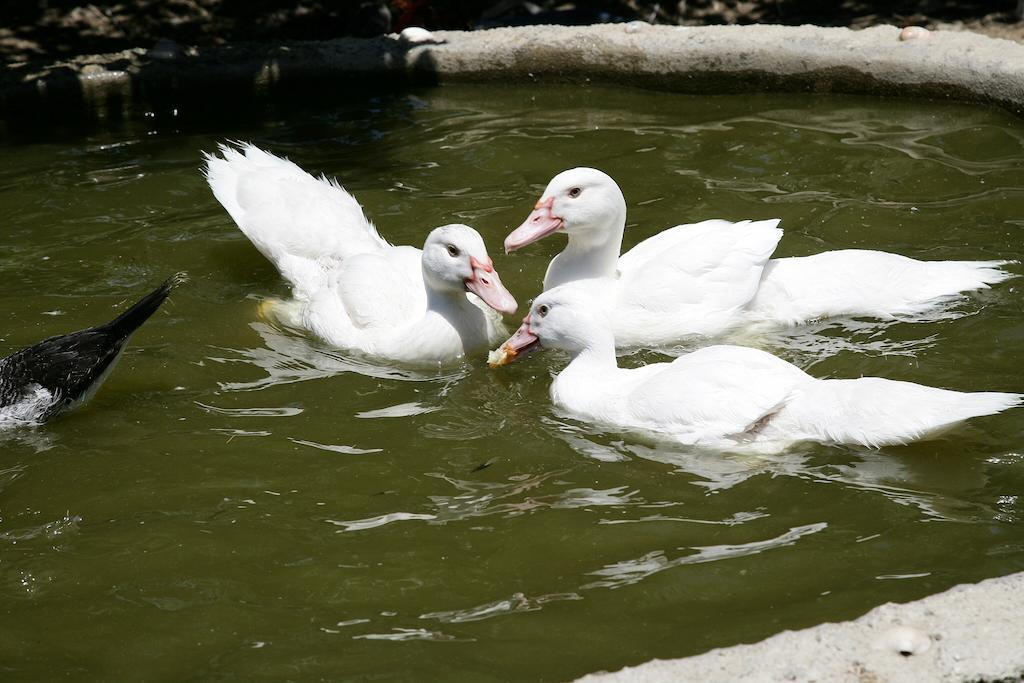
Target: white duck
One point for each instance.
(704, 278)
(728, 396)
(350, 287)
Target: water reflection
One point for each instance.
(379, 520)
(288, 358)
(68, 524)
(897, 473)
(632, 571)
(520, 494)
(402, 634)
(517, 602)
(336, 448)
(251, 412)
(907, 133)
(910, 133)
(30, 435)
(400, 410)
(818, 340)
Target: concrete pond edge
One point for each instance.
(972, 632)
(882, 60)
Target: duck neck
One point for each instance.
(586, 379)
(596, 357)
(449, 303)
(590, 253)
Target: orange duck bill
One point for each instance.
(519, 344)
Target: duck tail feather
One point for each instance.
(130, 320)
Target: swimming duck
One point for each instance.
(728, 396)
(705, 278)
(352, 288)
(62, 372)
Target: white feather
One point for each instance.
(305, 226)
(29, 410)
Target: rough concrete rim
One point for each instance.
(713, 59)
(972, 633)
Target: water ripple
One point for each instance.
(509, 499)
(288, 358)
(400, 410)
(335, 448)
(404, 634)
(733, 520)
(517, 602)
(50, 530)
(251, 412)
(379, 520)
(908, 135)
(629, 572)
(481, 499)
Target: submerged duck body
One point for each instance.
(59, 373)
(704, 278)
(350, 287)
(730, 396)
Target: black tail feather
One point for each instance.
(129, 321)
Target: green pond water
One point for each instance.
(241, 503)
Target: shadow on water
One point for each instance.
(168, 90)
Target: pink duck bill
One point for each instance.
(539, 224)
(486, 284)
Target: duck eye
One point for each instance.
(575, 192)
(542, 310)
(453, 250)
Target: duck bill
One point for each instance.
(537, 225)
(486, 284)
(519, 344)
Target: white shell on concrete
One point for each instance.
(971, 632)
(416, 34)
(915, 33)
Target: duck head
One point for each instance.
(567, 317)
(455, 260)
(584, 203)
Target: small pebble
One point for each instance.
(636, 26)
(915, 33)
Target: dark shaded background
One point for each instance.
(45, 30)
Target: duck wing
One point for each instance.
(862, 282)
(716, 393)
(690, 279)
(874, 412)
(382, 289)
(305, 226)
